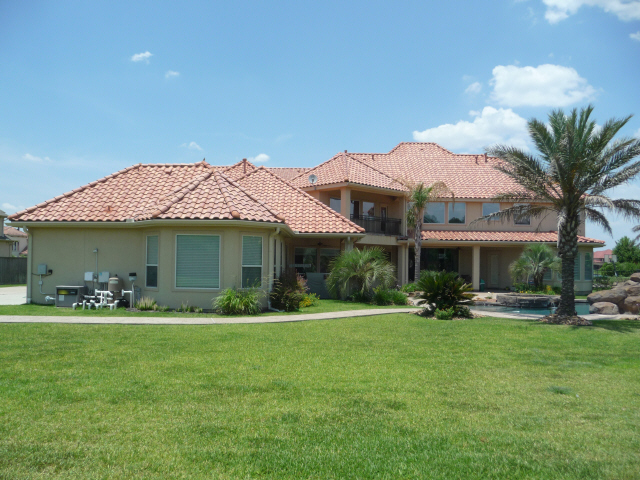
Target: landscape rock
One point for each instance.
(632, 290)
(631, 305)
(635, 277)
(616, 296)
(566, 320)
(604, 308)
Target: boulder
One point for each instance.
(632, 290)
(616, 296)
(604, 308)
(635, 277)
(631, 305)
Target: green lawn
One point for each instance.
(13, 285)
(393, 396)
(32, 309)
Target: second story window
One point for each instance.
(522, 220)
(368, 209)
(434, 213)
(489, 208)
(334, 204)
(457, 212)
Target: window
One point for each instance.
(334, 204)
(251, 261)
(306, 260)
(198, 261)
(547, 275)
(434, 213)
(524, 220)
(576, 267)
(368, 209)
(326, 256)
(588, 266)
(489, 208)
(457, 212)
(152, 262)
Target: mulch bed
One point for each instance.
(566, 320)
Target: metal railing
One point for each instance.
(383, 225)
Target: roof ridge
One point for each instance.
(270, 209)
(376, 169)
(178, 195)
(313, 168)
(225, 195)
(315, 200)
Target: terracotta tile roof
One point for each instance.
(14, 232)
(599, 255)
(25, 251)
(481, 236)
(180, 191)
(343, 168)
(239, 169)
(302, 212)
(468, 176)
(288, 173)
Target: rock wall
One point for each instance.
(623, 298)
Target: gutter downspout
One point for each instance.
(29, 263)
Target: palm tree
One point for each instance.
(366, 268)
(419, 198)
(535, 261)
(578, 163)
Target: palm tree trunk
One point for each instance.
(417, 236)
(568, 248)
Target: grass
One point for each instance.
(394, 396)
(13, 285)
(40, 310)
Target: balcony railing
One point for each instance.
(383, 225)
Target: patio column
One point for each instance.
(475, 268)
(345, 202)
(403, 264)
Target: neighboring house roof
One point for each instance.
(345, 168)
(481, 236)
(288, 173)
(598, 255)
(192, 191)
(302, 212)
(14, 232)
(467, 176)
(25, 251)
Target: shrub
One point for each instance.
(399, 298)
(160, 308)
(310, 300)
(442, 291)
(408, 288)
(360, 269)
(446, 314)
(185, 308)
(146, 303)
(288, 292)
(382, 296)
(238, 302)
(360, 297)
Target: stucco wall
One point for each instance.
(69, 253)
(5, 248)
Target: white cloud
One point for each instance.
(32, 158)
(546, 85)
(8, 208)
(260, 158)
(171, 73)
(489, 127)
(192, 146)
(474, 88)
(558, 10)
(140, 57)
(635, 36)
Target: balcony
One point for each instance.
(381, 225)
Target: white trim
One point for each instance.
(175, 272)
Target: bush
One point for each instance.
(360, 297)
(310, 300)
(289, 292)
(446, 314)
(442, 291)
(160, 308)
(360, 270)
(408, 288)
(399, 298)
(238, 302)
(382, 296)
(146, 303)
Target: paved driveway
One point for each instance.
(13, 295)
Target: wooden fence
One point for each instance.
(13, 271)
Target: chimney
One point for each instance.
(244, 165)
(485, 158)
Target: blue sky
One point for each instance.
(88, 88)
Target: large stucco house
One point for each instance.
(189, 231)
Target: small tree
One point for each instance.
(365, 268)
(419, 198)
(534, 262)
(627, 250)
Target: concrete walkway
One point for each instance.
(202, 320)
(13, 295)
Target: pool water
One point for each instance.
(581, 309)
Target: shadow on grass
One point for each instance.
(620, 326)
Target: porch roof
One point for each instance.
(483, 236)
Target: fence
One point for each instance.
(13, 271)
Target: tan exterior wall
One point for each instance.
(69, 253)
(5, 248)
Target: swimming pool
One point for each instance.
(581, 308)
